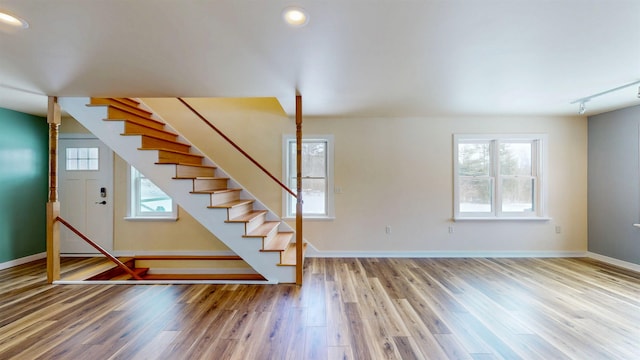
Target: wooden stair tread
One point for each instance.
(252, 277)
(263, 230)
(128, 101)
(159, 138)
(172, 151)
(144, 126)
(191, 165)
(199, 177)
(280, 242)
(145, 116)
(248, 216)
(124, 107)
(231, 204)
(184, 164)
(210, 178)
(289, 255)
(220, 191)
(125, 101)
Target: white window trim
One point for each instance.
(287, 215)
(539, 153)
(132, 203)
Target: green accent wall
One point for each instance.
(23, 184)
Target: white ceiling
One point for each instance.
(354, 58)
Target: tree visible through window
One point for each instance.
(498, 176)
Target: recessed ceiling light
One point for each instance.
(11, 20)
(295, 16)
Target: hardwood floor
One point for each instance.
(347, 309)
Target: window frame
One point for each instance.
(287, 208)
(88, 159)
(133, 201)
(538, 169)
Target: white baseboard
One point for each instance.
(24, 260)
(80, 255)
(313, 252)
(198, 271)
(614, 261)
(131, 253)
(164, 282)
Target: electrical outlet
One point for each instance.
(387, 229)
(558, 229)
(451, 229)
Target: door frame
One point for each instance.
(88, 136)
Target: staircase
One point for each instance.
(205, 191)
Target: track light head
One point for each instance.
(582, 108)
(638, 91)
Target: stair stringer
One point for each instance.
(214, 220)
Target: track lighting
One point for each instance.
(582, 107)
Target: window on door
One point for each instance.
(147, 201)
(82, 158)
(317, 176)
(499, 176)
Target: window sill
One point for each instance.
(504, 218)
(311, 218)
(173, 218)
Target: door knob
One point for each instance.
(103, 202)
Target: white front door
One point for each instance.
(86, 194)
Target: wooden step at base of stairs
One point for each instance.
(288, 257)
(230, 277)
(100, 267)
(141, 272)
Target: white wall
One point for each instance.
(398, 172)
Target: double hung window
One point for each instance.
(499, 176)
(317, 176)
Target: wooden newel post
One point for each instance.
(299, 238)
(53, 205)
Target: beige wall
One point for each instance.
(186, 234)
(398, 172)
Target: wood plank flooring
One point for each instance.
(347, 309)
